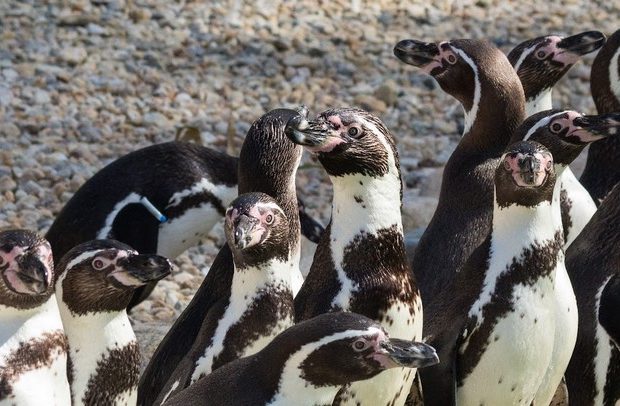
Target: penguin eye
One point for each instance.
(269, 219)
(556, 127)
(98, 264)
(506, 164)
(452, 59)
(540, 54)
(3, 261)
(354, 132)
(360, 345)
(548, 165)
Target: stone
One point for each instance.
(73, 55)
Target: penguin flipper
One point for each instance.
(439, 381)
(608, 308)
(181, 337)
(310, 228)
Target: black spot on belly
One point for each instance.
(565, 205)
(533, 263)
(260, 318)
(358, 199)
(116, 373)
(33, 354)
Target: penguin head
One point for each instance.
(101, 275)
(26, 267)
(605, 76)
(256, 229)
(525, 175)
(565, 133)
(461, 66)
(347, 141)
(338, 348)
(542, 61)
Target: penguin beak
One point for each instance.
(529, 170)
(402, 353)
(247, 232)
(138, 270)
(314, 135)
(583, 43)
(593, 128)
(417, 53)
(32, 276)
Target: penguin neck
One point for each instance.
(91, 338)
(522, 224)
(540, 102)
(256, 277)
(365, 204)
(497, 108)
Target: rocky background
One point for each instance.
(85, 82)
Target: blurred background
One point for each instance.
(84, 82)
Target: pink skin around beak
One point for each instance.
(332, 141)
(581, 133)
(529, 170)
(559, 55)
(11, 274)
(441, 60)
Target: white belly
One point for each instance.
(512, 367)
(43, 386)
(582, 208)
(177, 235)
(566, 322)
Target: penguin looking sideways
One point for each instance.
(540, 63)
(261, 304)
(601, 172)
(481, 78)
(593, 374)
(33, 346)
(307, 364)
(268, 164)
(95, 283)
(360, 264)
(496, 334)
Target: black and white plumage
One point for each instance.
(593, 374)
(95, 283)
(602, 173)
(496, 334)
(189, 184)
(565, 133)
(360, 264)
(307, 364)
(33, 346)
(540, 63)
(261, 300)
(480, 76)
(268, 163)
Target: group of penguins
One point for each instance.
(518, 270)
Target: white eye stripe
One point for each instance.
(526, 52)
(470, 116)
(543, 122)
(272, 206)
(90, 255)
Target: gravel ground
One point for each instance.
(84, 82)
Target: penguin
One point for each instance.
(96, 280)
(540, 63)
(593, 374)
(481, 78)
(33, 346)
(307, 364)
(268, 164)
(601, 172)
(360, 264)
(565, 134)
(160, 199)
(261, 299)
(495, 335)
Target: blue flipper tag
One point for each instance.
(153, 210)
